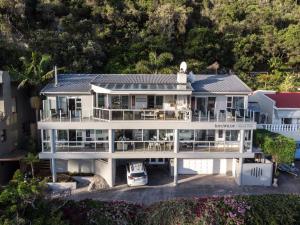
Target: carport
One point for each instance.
(158, 174)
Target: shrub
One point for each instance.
(272, 209)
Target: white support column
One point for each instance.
(53, 150)
(53, 170)
(112, 172)
(176, 143)
(251, 143)
(175, 164)
(111, 140)
(242, 140)
(240, 172)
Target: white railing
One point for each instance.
(209, 146)
(141, 114)
(280, 127)
(77, 146)
(100, 114)
(229, 115)
(114, 114)
(135, 146)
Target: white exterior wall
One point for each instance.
(87, 105)
(257, 174)
(204, 166)
(221, 103)
(107, 170)
(74, 165)
(266, 104)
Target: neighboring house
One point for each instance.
(279, 112)
(198, 124)
(14, 125)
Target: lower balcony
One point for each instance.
(141, 146)
(77, 146)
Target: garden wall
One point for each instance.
(257, 174)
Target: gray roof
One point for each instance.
(70, 83)
(135, 79)
(81, 83)
(219, 84)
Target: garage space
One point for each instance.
(158, 171)
(205, 166)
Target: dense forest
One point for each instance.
(257, 39)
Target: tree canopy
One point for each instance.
(122, 36)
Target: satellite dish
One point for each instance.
(183, 67)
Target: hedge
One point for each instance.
(238, 210)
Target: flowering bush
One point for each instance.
(222, 210)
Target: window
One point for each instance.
(46, 135)
(220, 134)
(101, 101)
(3, 136)
(62, 135)
(101, 135)
(150, 135)
(286, 120)
(186, 135)
(236, 102)
(159, 102)
(232, 135)
(166, 135)
(119, 102)
(247, 135)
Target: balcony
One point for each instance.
(140, 146)
(212, 146)
(99, 114)
(280, 127)
(77, 146)
(228, 115)
(104, 115)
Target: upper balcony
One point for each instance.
(106, 115)
(107, 107)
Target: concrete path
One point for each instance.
(188, 187)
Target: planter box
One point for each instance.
(62, 185)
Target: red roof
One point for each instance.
(286, 99)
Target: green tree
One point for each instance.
(17, 196)
(289, 83)
(34, 70)
(155, 63)
(31, 159)
(281, 148)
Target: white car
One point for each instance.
(136, 174)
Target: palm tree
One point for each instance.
(155, 63)
(34, 70)
(31, 159)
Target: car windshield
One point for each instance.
(137, 174)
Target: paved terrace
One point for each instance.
(161, 188)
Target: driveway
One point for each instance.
(188, 187)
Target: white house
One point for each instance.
(279, 112)
(199, 124)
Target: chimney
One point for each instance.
(181, 75)
(181, 78)
(55, 76)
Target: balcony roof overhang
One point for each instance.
(178, 91)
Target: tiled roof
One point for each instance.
(219, 84)
(286, 99)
